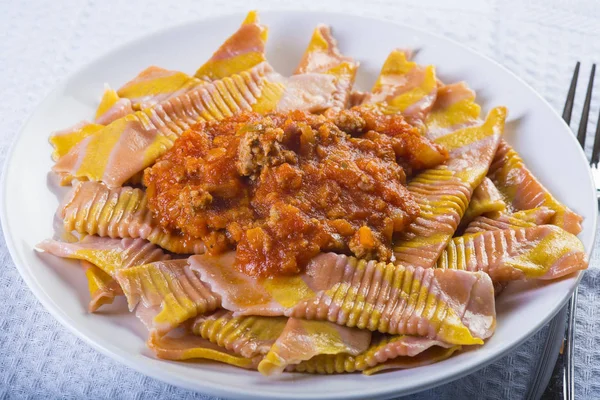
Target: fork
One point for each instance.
(559, 343)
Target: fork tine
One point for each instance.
(596, 149)
(585, 113)
(568, 110)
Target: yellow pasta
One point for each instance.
(248, 336)
(242, 51)
(166, 294)
(91, 208)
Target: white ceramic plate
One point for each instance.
(30, 197)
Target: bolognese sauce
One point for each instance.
(281, 188)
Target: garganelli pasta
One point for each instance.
(297, 224)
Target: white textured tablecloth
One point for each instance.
(41, 42)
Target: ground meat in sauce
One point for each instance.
(283, 187)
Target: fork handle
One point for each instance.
(569, 382)
(548, 381)
(561, 381)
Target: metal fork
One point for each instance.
(559, 343)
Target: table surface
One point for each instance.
(41, 42)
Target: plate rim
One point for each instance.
(211, 388)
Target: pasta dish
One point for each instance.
(295, 223)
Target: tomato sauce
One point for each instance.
(283, 187)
